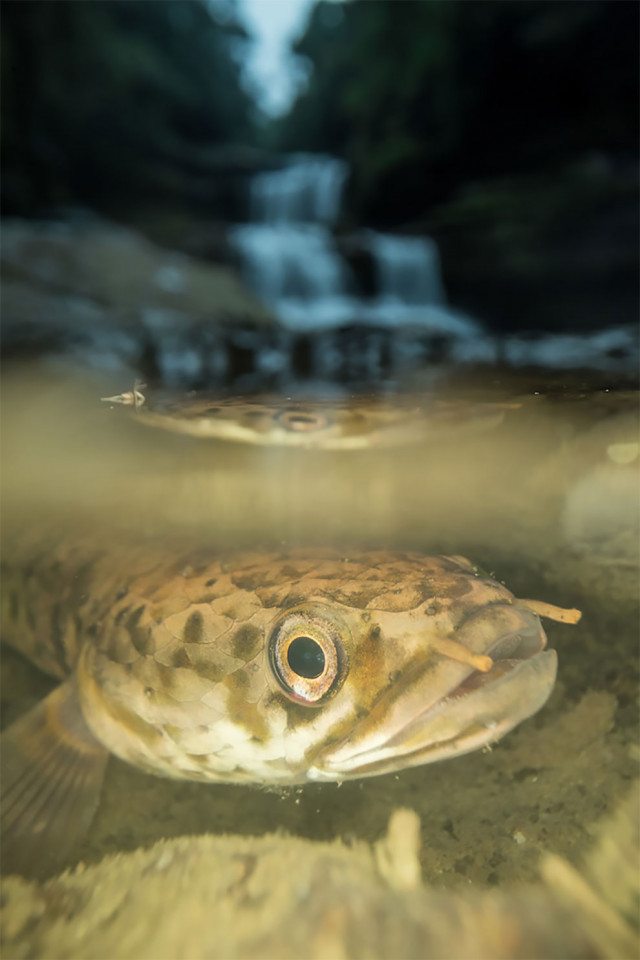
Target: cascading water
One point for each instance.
(290, 259)
(307, 190)
(408, 268)
(288, 254)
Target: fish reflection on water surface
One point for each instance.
(265, 668)
(350, 423)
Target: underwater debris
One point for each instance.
(284, 897)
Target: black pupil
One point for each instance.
(305, 657)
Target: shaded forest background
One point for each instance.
(422, 97)
(507, 130)
(113, 103)
(101, 99)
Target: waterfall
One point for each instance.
(306, 190)
(290, 259)
(408, 268)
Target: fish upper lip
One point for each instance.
(507, 652)
(518, 644)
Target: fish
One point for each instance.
(274, 667)
(328, 423)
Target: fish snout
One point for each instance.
(493, 675)
(502, 631)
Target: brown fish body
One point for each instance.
(174, 651)
(266, 667)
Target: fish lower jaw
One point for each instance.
(455, 726)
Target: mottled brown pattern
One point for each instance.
(246, 713)
(247, 641)
(173, 645)
(194, 628)
(272, 597)
(254, 580)
(153, 588)
(212, 671)
(140, 592)
(141, 637)
(181, 658)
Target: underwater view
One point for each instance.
(320, 495)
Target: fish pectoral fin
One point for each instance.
(52, 768)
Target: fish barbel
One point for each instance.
(279, 668)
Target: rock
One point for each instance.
(97, 296)
(355, 249)
(114, 266)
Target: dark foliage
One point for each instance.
(422, 96)
(114, 99)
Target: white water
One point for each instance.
(408, 268)
(307, 190)
(291, 261)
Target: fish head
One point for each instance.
(435, 665)
(320, 667)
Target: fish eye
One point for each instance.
(301, 421)
(308, 657)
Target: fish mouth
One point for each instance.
(469, 714)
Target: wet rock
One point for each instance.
(355, 249)
(115, 267)
(555, 253)
(98, 296)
